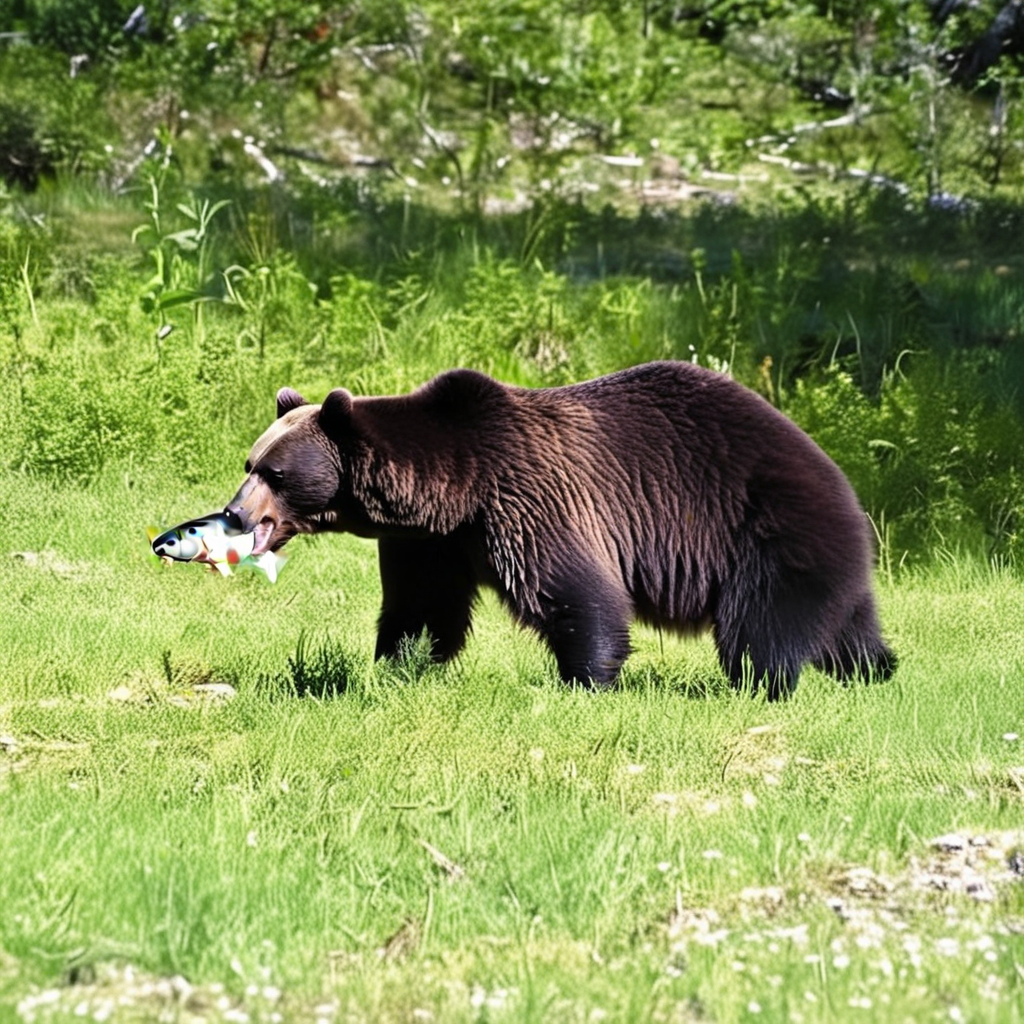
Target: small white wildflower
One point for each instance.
(803, 837)
(860, 1003)
(497, 999)
(663, 866)
(636, 769)
(947, 946)
(1011, 736)
(250, 839)
(840, 961)
(749, 800)
(956, 1014)
(753, 1007)
(712, 854)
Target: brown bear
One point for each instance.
(665, 492)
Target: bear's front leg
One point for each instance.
(585, 621)
(427, 583)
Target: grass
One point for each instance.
(480, 842)
(214, 807)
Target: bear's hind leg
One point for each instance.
(764, 642)
(585, 622)
(752, 665)
(427, 583)
(858, 651)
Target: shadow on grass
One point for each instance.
(691, 682)
(321, 669)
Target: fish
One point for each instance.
(217, 540)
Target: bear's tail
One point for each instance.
(859, 652)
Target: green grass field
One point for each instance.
(215, 807)
(339, 841)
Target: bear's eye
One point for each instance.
(272, 475)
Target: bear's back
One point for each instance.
(674, 471)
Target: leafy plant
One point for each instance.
(179, 258)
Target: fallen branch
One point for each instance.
(935, 200)
(787, 138)
(270, 169)
(824, 168)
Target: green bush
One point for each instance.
(49, 122)
(77, 26)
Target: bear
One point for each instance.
(667, 493)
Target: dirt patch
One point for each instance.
(123, 993)
(53, 562)
(956, 870)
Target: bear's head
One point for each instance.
(295, 471)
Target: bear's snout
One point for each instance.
(256, 511)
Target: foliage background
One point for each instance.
(203, 202)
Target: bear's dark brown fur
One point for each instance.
(664, 492)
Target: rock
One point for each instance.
(950, 843)
(218, 691)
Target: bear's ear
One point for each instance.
(288, 399)
(336, 412)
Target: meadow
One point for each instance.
(215, 807)
(342, 842)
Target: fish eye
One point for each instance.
(193, 531)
